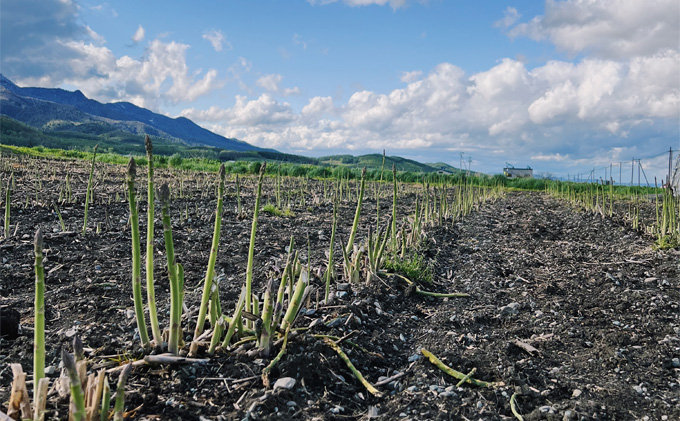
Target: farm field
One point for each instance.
(575, 315)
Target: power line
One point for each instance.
(578, 177)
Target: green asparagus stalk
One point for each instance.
(136, 255)
(8, 192)
(238, 196)
(296, 301)
(210, 273)
(150, 215)
(268, 369)
(61, 220)
(350, 242)
(330, 268)
(235, 321)
(218, 328)
(106, 401)
(39, 309)
(88, 193)
(265, 338)
(251, 249)
(175, 291)
(357, 373)
(214, 303)
(285, 276)
(76, 388)
(457, 374)
(119, 409)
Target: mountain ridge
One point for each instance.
(29, 104)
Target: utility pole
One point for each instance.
(639, 166)
(620, 167)
(632, 172)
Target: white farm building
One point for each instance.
(512, 172)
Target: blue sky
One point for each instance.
(562, 86)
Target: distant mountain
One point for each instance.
(374, 161)
(59, 109)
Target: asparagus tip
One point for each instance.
(67, 359)
(126, 371)
(164, 192)
(131, 169)
(222, 171)
(38, 240)
(148, 145)
(363, 173)
(78, 347)
(263, 167)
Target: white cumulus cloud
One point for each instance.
(217, 39)
(271, 83)
(139, 35)
(607, 28)
(510, 16)
(408, 77)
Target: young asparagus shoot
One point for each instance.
(88, 193)
(150, 210)
(238, 196)
(350, 243)
(119, 409)
(296, 301)
(265, 338)
(61, 219)
(106, 401)
(329, 275)
(136, 255)
(173, 269)
(39, 314)
(251, 249)
(394, 209)
(286, 276)
(375, 249)
(377, 193)
(77, 394)
(268, 369)
(210, 272)
(8, 192)
(234, 320)
(352, 263)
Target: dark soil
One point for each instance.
(576, 314)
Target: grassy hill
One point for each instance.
(83, 137)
